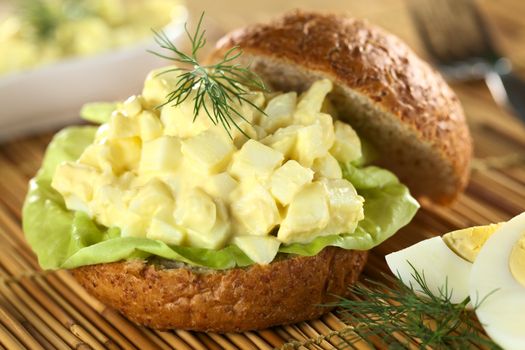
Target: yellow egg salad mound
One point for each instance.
(164, 174)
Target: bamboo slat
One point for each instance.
(49, 310)
(190, 339)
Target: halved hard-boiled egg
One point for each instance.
(443, 261)
(485, 263)
(500, 269)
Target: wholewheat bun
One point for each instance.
(390, 96)
(260, 296)
(393, 99)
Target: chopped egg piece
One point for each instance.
(310, 145)
(75, 179)
(163, 227)
(161, 154)
(261, 249)
(109, 207)
(158, 84)
(220, 185)
(150, 198)
(312, 99)
(165, 232)
(346, 206)
(208, 151)
(196, 211)
(249, 113)
(102, 133)
(347, 146)
(255, 160)
(132, 106)
(150, 126)
(327, 167)
(123, 126)
(219, 233)
(75, 203)
(288, 180)
(124, 154)
(283, 140)
(279, 112)
(179, 120)
(325, 123)
(133, 225)
(255, 210)
(97, 156)
(307, 215)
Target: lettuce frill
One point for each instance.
(66, 239)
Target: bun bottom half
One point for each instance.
(240, 299)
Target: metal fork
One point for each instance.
(458, 40)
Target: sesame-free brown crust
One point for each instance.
(239, 299)
(377, 67)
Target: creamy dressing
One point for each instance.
(157, 173)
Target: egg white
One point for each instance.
(502, 313)
(439, 265)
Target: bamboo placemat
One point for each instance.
(49, 310)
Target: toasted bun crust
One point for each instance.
(240, 299)
(391, 97)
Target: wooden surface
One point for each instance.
(49, 310)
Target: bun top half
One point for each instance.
(393, 99)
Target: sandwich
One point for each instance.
(178, 224)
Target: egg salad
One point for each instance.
(483, 263)
(36, 32)
(156, 180)
(157, 174)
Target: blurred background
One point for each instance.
(56, 55)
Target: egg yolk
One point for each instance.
(468, 242)
(517, 260)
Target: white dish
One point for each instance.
(51, 96)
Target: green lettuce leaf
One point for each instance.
(98, 112)
(388, 207)
(66, 239)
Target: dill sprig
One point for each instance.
(395, 316)
(214, 88)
